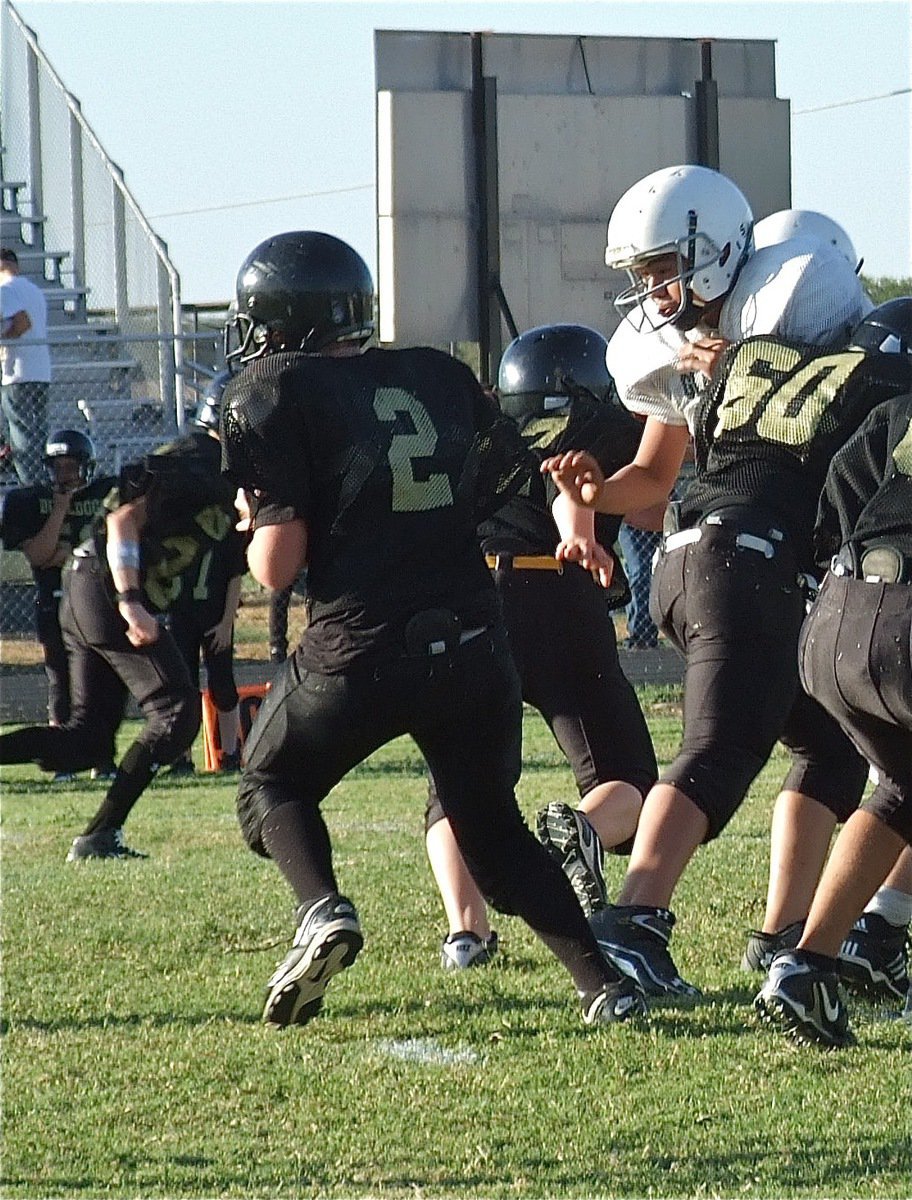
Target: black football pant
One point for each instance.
(56, 665)
(463, 709)
(856, 660)
(104, 667)
(735, 615)
(564, 645)
(189, 627)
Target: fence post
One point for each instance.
(77, 194)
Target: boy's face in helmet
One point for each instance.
(660, 279)
(65, 473)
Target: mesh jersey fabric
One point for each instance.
(867, 497)
(392, 458)
(525, 524)
(189, 510)
(800, 290)
(766, 432)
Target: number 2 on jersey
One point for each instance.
(411, 494)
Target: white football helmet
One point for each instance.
(693, 212)
(788, 223)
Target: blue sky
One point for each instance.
(233, 120)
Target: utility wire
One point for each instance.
(799, 112)
(190, 212)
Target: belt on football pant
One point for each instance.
(745, 541)
(523, 562)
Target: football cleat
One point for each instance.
(106, 843)
(805, 1001)
(613, 1003)
(567, 835)
(874, 959)
(328, 939)
(183, 766)
(466, 949)
(64, 777)
(634, 938)
(758, 954)
(104, 773)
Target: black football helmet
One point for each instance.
(887, 328)
(301, 291)
(71, 443)
(209, 411)
(545, 368)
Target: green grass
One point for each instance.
(135, 1063)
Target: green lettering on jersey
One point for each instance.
(787, 401)
(214, 522)
(902, 452)
(411, 494)
(163, 582)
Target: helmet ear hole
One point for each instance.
(545, 368)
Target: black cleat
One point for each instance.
(106, 843)
(634, 938)
(571, 840)
(613, 1003)
(874, 959)
(327, 941)
(761, 947)
(806, 1002)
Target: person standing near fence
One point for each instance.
(26, 367)
(45, 522)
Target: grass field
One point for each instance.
(135, 1063)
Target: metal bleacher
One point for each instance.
(93, 363)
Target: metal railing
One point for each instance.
(65, 198)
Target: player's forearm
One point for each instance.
(572, 520)
(124, 529)
(630, 489)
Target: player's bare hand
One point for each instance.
(700, 356)
(142, 627)
(242, 505)
(590, 555)
(577, 474)
(219, 636)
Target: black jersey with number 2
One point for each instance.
(392, 458)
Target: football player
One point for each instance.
(374, 468)
(726, 588)
(165, 513)
(45, 521)
(553, 382)
(855, 659)
(201, 618)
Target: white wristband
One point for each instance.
(123, 555)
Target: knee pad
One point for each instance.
(254, 803)
(433, 811)
(890, 804)
(170, 731)
(716, 781)
(837, 783)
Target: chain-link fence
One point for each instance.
(127, 361)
